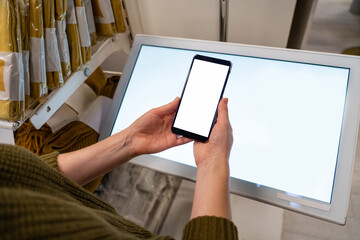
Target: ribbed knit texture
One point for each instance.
(211, 228)
(37, 202)
(51, 159)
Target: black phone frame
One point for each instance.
(192, 135)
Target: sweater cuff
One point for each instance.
(51, 159)
(210, 227)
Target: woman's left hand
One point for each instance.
(151, 133)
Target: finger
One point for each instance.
(223, 113)
(183, 140)
(168, 108)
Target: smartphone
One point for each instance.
(203, 90)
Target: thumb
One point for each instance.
(223, 113)
(168, 108)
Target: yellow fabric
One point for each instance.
(8, 24)
(60, 16)
(93, 38)
(106, 30)
(31, 138)
(110, 87)
(2, 66)
(74, 47)
(85, 50)
(91, 21)
(72, 32)
(38, 87)
(97, 80)
(10, 110)
(118, 15)
(53, 78)
(74, 135)
(36, 19)
(10, 41)
(86, 53)
(103, 29)
(24, 14)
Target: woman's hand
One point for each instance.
(212, 158)
(219, 145)
(151, 133)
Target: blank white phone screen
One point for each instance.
(201, 96)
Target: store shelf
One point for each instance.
(119, 42)
(41, 114)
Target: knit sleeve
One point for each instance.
(210, 227)
(51, 159)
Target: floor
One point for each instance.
(333, 29)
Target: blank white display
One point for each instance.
(286, 116)
(201, 96)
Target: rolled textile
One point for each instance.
(90, 21)
(109, 89)
(97, 80)
(104, 17)
(54, 77)
(119, 15)
(24, 15)
(38, 88)
(31, 138)
(72, 32)
(60, 17)
(12, 94)
(84, 34)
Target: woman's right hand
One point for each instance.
(220, 142)
(211, 196)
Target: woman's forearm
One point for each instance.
(86, 164)
(212, 191)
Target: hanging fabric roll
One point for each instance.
(60, 17)
(90, 21)
(73, 37)
(104, 18)
(11, 64)
(54, 77)
(38, 88)
(24, 15)
(119, 15)
(85, 41)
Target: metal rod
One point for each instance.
(224, 7)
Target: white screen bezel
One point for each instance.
(337, 209)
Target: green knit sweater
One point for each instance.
(37, 202)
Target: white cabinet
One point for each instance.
(259, 22)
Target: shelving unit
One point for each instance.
(42, 113)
